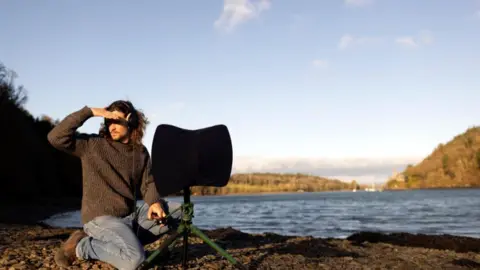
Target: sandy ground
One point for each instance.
(33, 246)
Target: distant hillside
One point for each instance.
(455, 164)
(270, 182)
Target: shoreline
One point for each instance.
(33, 246)
(322, 191)
(431, 188)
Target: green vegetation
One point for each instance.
(272, 183)
(451, 165)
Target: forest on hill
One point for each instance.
(274, 182)
(33, 171)
(455, 164)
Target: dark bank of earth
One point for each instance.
(32, 247)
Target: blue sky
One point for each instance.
(303, 85)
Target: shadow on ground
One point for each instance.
(265, 245)
(444, 242)
(466, 263)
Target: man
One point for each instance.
(115, 165)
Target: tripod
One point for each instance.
(184, 229)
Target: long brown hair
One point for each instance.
(139, 123)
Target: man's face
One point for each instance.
(118, 128)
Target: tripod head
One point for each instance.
(183, 158)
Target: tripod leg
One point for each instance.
(212, 244)
(162, 247)
(185, 248)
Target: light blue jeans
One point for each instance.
(114, 240)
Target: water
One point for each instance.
(334, 214)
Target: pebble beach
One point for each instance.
(33, 247)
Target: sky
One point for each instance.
(348, 89)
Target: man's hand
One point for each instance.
(104, 113)
(155, 211)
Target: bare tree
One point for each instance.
(8, 91)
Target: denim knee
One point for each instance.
(136, 260)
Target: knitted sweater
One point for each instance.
(108, 169)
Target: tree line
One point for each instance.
(275, 182)
(30, 168)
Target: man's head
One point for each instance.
(130, 127)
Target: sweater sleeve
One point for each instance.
(148, 187)
(64, 137)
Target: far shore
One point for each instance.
(343, 191)
(431, 188)
(266, 193)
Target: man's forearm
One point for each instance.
(150, 194)
(62, 136)
(148, 186)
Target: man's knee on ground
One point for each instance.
(136, 259)
(132, 261)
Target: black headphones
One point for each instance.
(132, 120)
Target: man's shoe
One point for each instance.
(66, 254)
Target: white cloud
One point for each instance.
(347, 41)
(358, 3)
(363, 170)
(236, 12)
(321, 64)
(406, 41)
(423, 38)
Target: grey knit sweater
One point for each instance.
(107, 168)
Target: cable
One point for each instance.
(134, 184)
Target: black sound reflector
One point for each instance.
(185, 158)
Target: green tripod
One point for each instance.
(185, 229)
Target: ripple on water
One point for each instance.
(335, 214)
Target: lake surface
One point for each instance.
(334, 214)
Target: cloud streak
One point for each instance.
(424, 38)
(236, 12)
(349, 41)
(320, 64)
